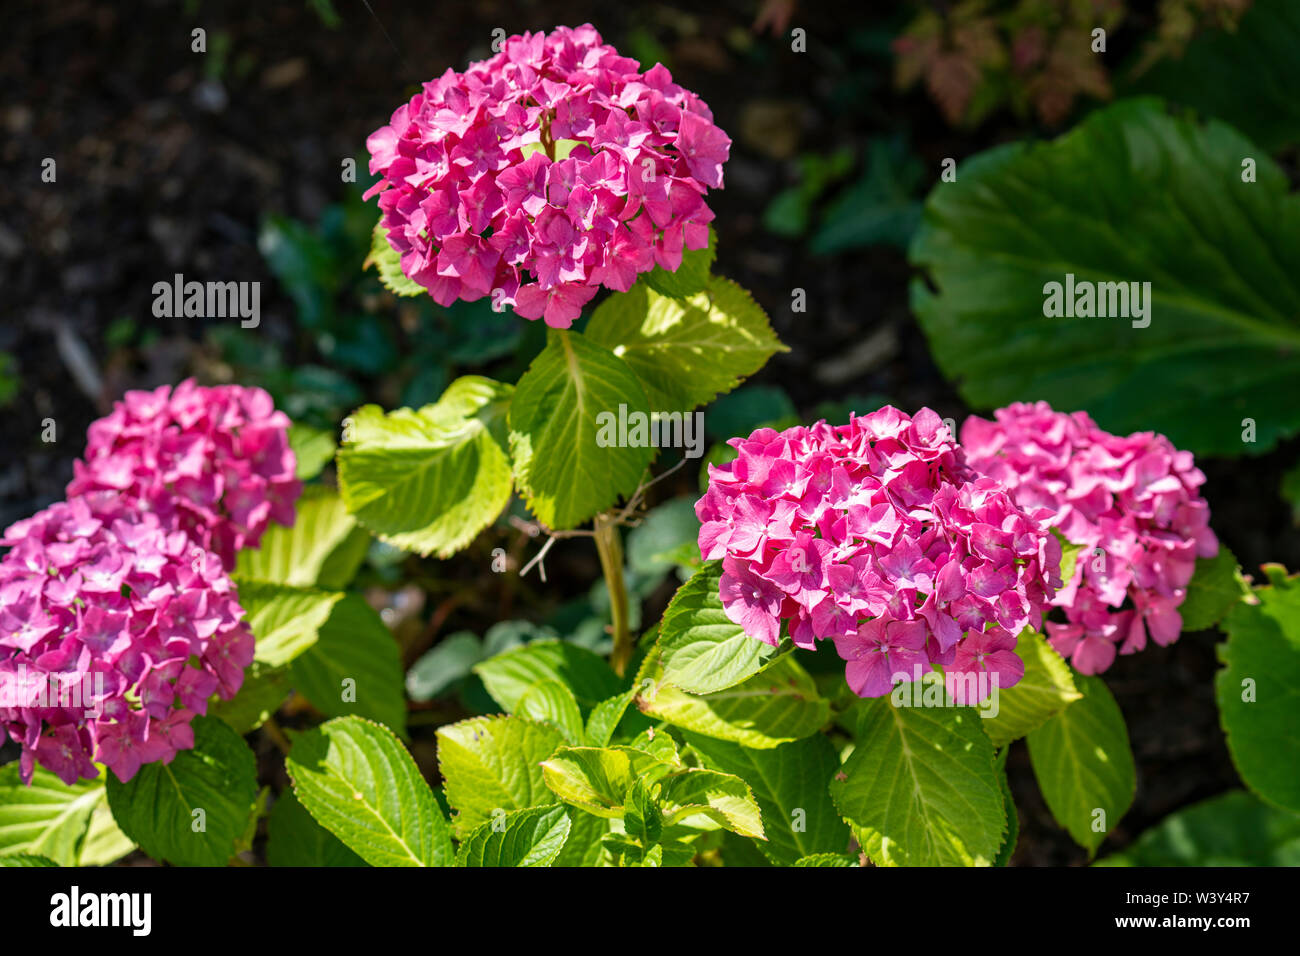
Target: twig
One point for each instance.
(621, 517)
(537, 560)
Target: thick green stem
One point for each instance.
(610, 548)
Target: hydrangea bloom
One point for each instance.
(877, 536)
(545, 172)
(114, 631)
(215, 462)
(1132, 503)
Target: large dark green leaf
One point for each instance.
(1131, 195)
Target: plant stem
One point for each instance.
(547, 143)
(610, 548)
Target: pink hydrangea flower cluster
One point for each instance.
(115, 629)
(1131, 503)
(877, 536)
(118, 620)
(214, 462)
(545, 172)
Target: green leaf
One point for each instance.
(605, 718)
(643, 821)
(313, 448)
(244, 842)
(921, 788)
(1215, 587)
(701, 650)
(1069, 557)
(1232, 829)
(105, 842)
(584, 847)
(692, 796)
(508, 676)
(493, 765)
(1044, 691)
(659, 745)
(25, 860)
(476, 333)
(787, 214)
(286, 621)
(881, 207)
(355, 668)
(560, 149)
(1083, 763)
(48, 818)
(323, 549)
(304, 263)
(738, 851)
(597, 779)
(1256, 691)
(1237, 75)
(790, 784)
(532, 837)
(690, 277)
(1009, 808)
(566, 463)
(550, 702)
(357, 781)
(263, 691)
(826, 859)
(686, 351)
(388, 262)
(1130, 195)
(778, 704)
(295, 839)
(452, 659)
(430, 480)
(159, 807)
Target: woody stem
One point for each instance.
(610, 548)
(548, 144)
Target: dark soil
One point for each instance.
(167, 164)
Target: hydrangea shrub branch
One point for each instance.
(539, 177)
